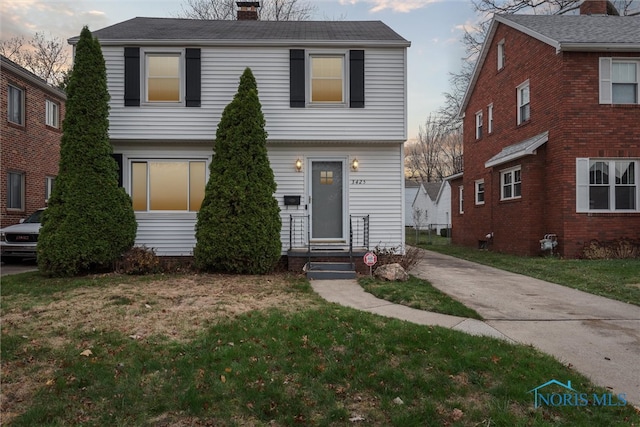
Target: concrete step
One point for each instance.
(330, 270)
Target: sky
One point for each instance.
(434, 28)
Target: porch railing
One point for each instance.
(299, 232)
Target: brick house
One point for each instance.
(32, 113)
(552, 134)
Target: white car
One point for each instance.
(20, 240)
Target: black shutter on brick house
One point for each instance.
(356, 78)
(296, 78)
(192, 72)
(131, 76)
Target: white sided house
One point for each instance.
(433, 203)
(334, 97)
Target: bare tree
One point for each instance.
(46, 57)
(270, 10)
(424, 155)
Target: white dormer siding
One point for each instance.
(382, 119)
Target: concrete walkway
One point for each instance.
(596, 336)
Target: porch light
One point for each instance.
(355, 164)
(298, 165)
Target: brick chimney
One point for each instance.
(248, 10)
(598, 7)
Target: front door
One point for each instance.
(327, 192)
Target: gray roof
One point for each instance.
(432, 189)
(518, 150)
(569, 32)
(199, 31)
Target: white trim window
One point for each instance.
(168, 185)
(479, 192)
(501, 56)
(327, 78)
(489, 118)
(49, 182)
(15, 190)
(15, 105)
(524, 99)
(479, 125)
(164, 77)
(619, 81)
(461, 199)
(607, 185)
(52, 114)
(511, 183)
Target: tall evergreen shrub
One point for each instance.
(89, 221)
(238, 228)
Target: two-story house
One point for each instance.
(552, 134)
(32, 112)
(334, 97)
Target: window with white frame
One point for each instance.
(163, 77)
(524, 109)
(327, 78)
(480, 192)
(490, 118)
(619, 80)
(461, 199)
(510, 183)
(479, 125)
(167, 185)
(15, 190)
(607, 185)
(52, 114)
(501, 56)
(15, 105)
(49, 182)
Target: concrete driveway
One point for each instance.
(597, 336)
(18, 267)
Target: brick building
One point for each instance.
(552, 134)
(32, 112)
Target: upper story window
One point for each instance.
(480, 192)
(524, 109)
(327, 78)
(501, 56)
(479, 125)
(163, 77)
(511, 183)
(490, 118)
(15, 191)
(606, 185)
(52, 114)
(171, 77)
(15, 105)
(168, 185)
(619, 81)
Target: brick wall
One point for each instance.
(33, 149)
(564, 91)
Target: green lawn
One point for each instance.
(618, 279)
(417, 293)
(256, 350)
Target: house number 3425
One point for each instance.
(358, 181)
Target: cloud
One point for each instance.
(403, 6)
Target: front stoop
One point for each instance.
(330, 270)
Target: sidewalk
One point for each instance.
(599, 337)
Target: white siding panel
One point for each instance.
(383, 117)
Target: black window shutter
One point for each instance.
(193, 77)
(132, 76)
(118, 159)
(356, 78)
(296, 78)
